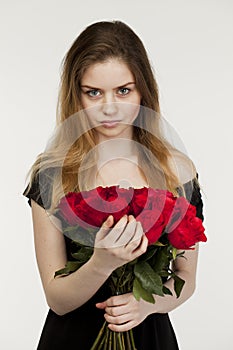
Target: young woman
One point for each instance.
(109, 98)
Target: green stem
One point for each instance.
(102, 342)
(127, 341)
(106, 341)
(132, 339)
(114, 341)
(120, 347)
(100, 334)
(123, 340)
(120, 278)
(110, 340)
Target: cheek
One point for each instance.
(90, 116)
(92, 113)
(137, 97)
(130, 111)
(91, 107)
(85, 102)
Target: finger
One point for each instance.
(138, 233)
(141, 248)
(102, 305)
(135, 241)
(121, 224)
(115, 232)
(118, 300)
(117, 319)
(116, 310)
(123, 327)
(128, 234)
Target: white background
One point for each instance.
(190, 47)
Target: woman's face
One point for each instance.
(109, 94)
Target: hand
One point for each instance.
(124, 312)
(117, 246)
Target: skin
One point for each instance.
(116, 243)
(109, 92)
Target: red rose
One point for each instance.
(149, 198)
(158, 211)
(67, 207)
(76, 211)
(93, 207)
(107, 193)
(187, 233)
(153, 224)
(117, 207)
(139, 200)
(184, 228)
(181, 209)
(164, 201)
(113, 192)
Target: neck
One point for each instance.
(116, 148)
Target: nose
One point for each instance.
(109, 106)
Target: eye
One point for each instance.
(123, 91)
(93, 93)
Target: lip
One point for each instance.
(110, 123)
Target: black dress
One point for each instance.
(79, 328)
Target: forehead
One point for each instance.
(112, 72)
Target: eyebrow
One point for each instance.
(118, 87)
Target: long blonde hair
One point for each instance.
(97, 43)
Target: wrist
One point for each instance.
(98, 267)
(148, 308)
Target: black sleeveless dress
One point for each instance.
(78, 329)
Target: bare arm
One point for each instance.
(186, 269)
(67, 293)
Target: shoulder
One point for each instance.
(40, 187)
(188, 178)
(182, 167)
(43, 179)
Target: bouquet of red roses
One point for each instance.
(169, 222)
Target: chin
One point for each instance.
(114, 131)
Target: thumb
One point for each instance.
(105, 228)
(101, 305)
(108, 222)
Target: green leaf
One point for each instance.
(133, 262)
(72, 228)
(166, 291)
(78, 244)
(164, 273)
(83, 254)
(151, 250)
(79, 234)
(140, 292)
(178, 284)
(160, 260)
(159, 244)
(181, 254)
(148, 278)
(127, 278)
(70, 266)
(174, 252)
